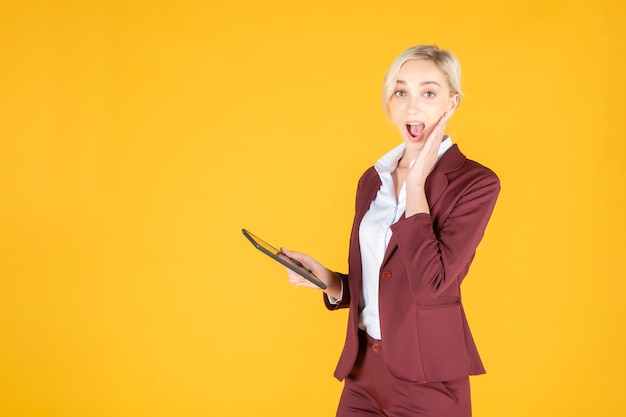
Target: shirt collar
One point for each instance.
(389, 161)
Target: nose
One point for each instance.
(413, 105)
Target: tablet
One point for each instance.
(273, 253)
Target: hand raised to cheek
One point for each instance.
(427, 157)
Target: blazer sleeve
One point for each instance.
(437, 258)
(345, 298)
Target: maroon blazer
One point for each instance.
(423, 325)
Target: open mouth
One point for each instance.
(415, 129)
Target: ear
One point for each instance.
(454, 102)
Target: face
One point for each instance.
(420, 98)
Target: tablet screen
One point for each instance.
(283, 259)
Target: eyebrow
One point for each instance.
(422, 83)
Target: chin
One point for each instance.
(415, 143)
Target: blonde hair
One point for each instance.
(445, 61)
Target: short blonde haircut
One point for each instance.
(445, 61)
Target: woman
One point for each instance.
(421, 211)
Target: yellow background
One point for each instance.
(139, 137)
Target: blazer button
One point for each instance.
(386, 274)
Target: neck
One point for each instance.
(405, 161)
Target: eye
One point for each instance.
(399, 93)
(429, 94)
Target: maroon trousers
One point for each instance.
(370, 390)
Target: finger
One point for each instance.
(294, 277)
(292, 254)
(444, 118)
(436, 135)
(441, 124)
(299, 281)
(304, 260)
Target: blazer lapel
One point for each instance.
(437, 181)
(368, 194)
(436, 184)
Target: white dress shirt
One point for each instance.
(375, 233)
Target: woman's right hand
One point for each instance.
(328, 277)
